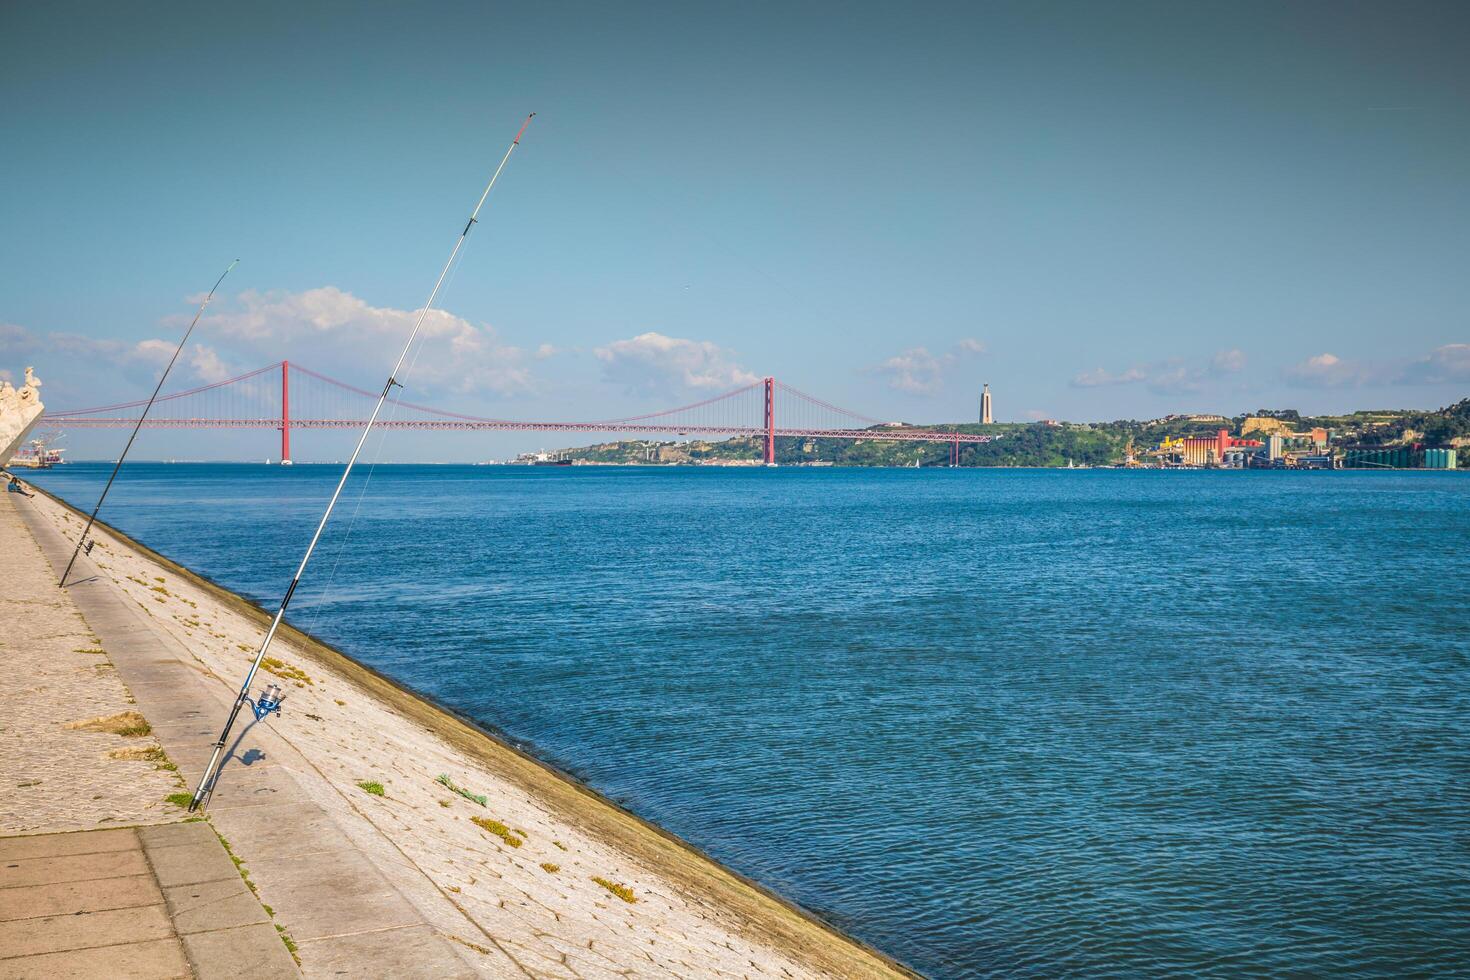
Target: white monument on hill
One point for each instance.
(985, 417)
(20, 410)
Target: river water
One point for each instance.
(994, 722)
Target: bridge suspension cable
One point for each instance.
(255, 400)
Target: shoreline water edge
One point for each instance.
(550, 864)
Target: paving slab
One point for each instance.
(56, 845)
(337, 892)
(189, 864)
(58, 933)
(176, 834)
(212, 905)
(71, 867)
(412, 951)
(159, 959)
(75, 897)
(281, 830)
(252, 786)
(253, 951)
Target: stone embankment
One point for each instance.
(379, 833)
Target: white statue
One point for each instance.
(19, 411)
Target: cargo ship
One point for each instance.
(36, 455)
(541, 459)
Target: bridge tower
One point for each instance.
(285, 413)
(770, 421)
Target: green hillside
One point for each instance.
(1035, 444)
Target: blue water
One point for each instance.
(1018, 723)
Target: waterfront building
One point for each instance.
(1440, 459)
(1212, 450)
(986, 418)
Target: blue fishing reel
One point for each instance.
(268, 702)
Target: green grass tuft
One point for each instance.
(290, 943)
(372, 788)
(180, 799)
(450, 784)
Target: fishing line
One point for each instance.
(206, 781)
(328, 591)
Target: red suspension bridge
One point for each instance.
(285, 396)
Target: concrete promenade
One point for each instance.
(343, 914)
(379, 834)
(132, 900)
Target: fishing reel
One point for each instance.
(266, 703)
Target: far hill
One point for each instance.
(1036, 443)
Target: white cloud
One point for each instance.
(15, 339)
(652, 361)
(1169, 377)
(1445, 365)
(328, 328)
(1101, 378)
(915, 370)
(153, 351)
(1228, 361)
(140, 359)
(1449, 364)
(208, 366)
(1327, 370)
(204, 363)
(919, 372)
(86, 370)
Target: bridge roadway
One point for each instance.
(894, 434)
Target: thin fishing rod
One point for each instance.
(159, 387)
(206, 782)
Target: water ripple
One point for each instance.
(996, 723)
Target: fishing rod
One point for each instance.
(159, 387)
(269, 699)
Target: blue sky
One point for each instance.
(1104, 210)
